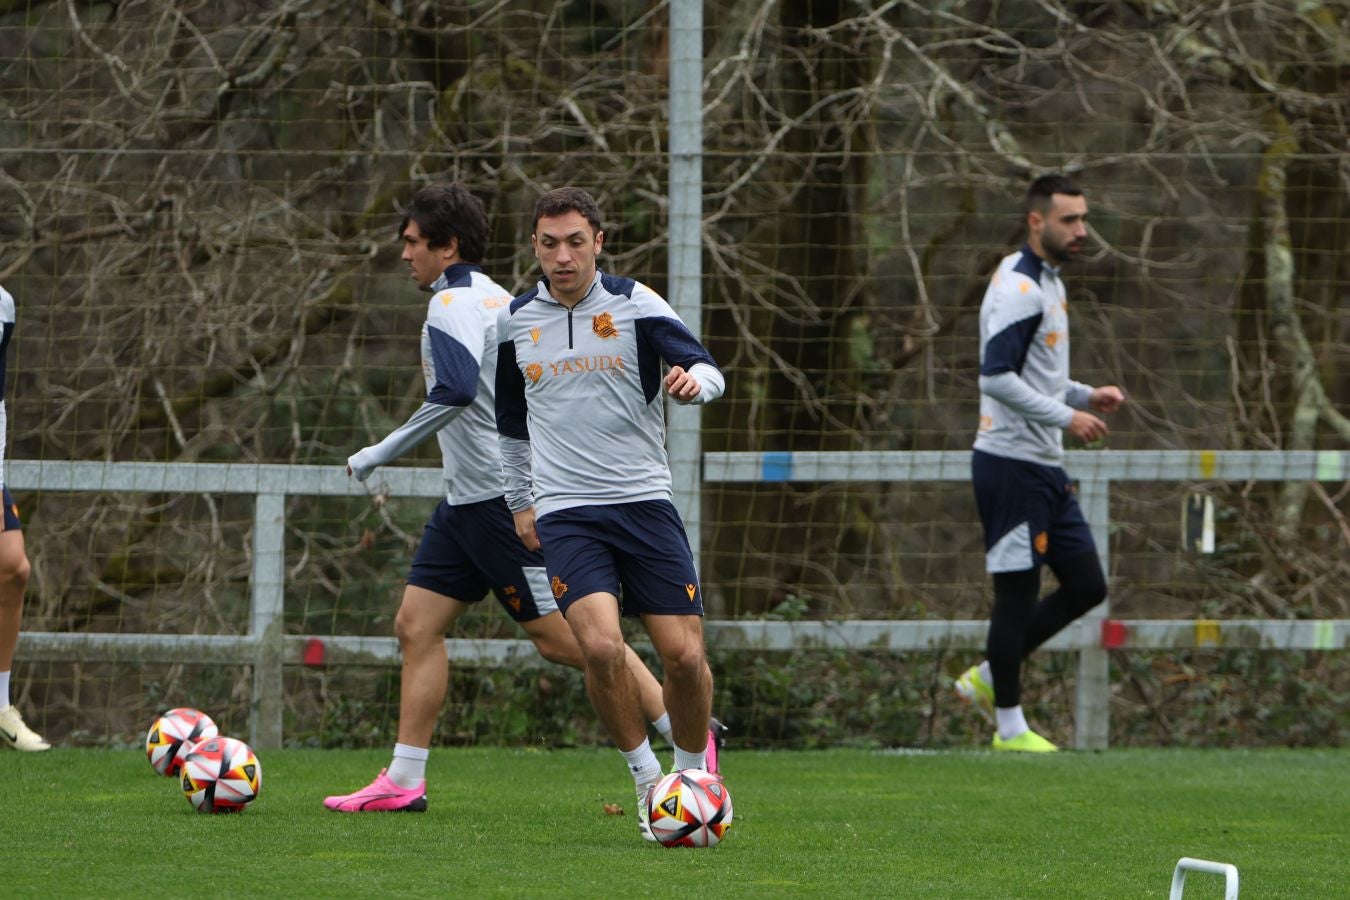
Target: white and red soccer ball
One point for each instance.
(220, 775)
(173, 735)
(690, 808)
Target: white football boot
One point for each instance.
(644, 811)
(18, 735)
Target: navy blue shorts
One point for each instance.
(636, 551)
(471, 549)
(12, 522)
(1030, 513)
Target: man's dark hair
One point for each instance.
(1041, 191)
(565, 200)
(447, 211)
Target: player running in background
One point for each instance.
(14, 568)
(1026, 501)
(580, 408)
(469, 546)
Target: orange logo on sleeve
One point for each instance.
(1051, 338)
(1025, 287)
(534, 335)
(986, 423)
(446, 297)
(1041, 543)
(691, 590)
(603, 326)
(558, 588)
(534, 372)
(511, 598)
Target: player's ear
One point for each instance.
(599, 240)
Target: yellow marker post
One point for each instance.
(1208, 463)
(1207, 633)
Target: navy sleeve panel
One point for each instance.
(6, 332)
(510, 394)
(660, 337)
(456, 371)
(1007, 350)
(617, 284)
(524, 298)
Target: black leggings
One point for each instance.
(1019, 624)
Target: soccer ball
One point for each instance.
(690, 808)
(173, 734)
(221, 774)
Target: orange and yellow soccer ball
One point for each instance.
(690, 808)
(220, 775)
(175, 733)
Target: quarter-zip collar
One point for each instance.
(546, 295)
(543, 295)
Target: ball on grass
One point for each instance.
(220, 775)
(173, 734)
(690, 808)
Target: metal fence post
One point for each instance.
(265, 623)
(1092, 705)
(685, 266)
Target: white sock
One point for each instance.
(1011, 722)
(986, 673)
(663, 725)
(643, 764)
(4, 690)
(409, 767)
(686, 760)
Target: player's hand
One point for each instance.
(356, 470)
(681, 385)
(1106, 399)
(525, 528)
(1087, 427)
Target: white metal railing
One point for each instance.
(1095, 470)
(268, 650)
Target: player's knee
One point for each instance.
(603, 651)
(685, 663)
(1094, 594)
(1089, 589)
(413, 630)
(14, 576)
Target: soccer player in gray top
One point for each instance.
(1026, 502)
(470, 545)
(582, 423)
(14, 568)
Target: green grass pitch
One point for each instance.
(841, 823)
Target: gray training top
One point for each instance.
(459, 364)
(580, 390)
(1026, 395)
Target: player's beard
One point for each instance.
(1061, 253)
